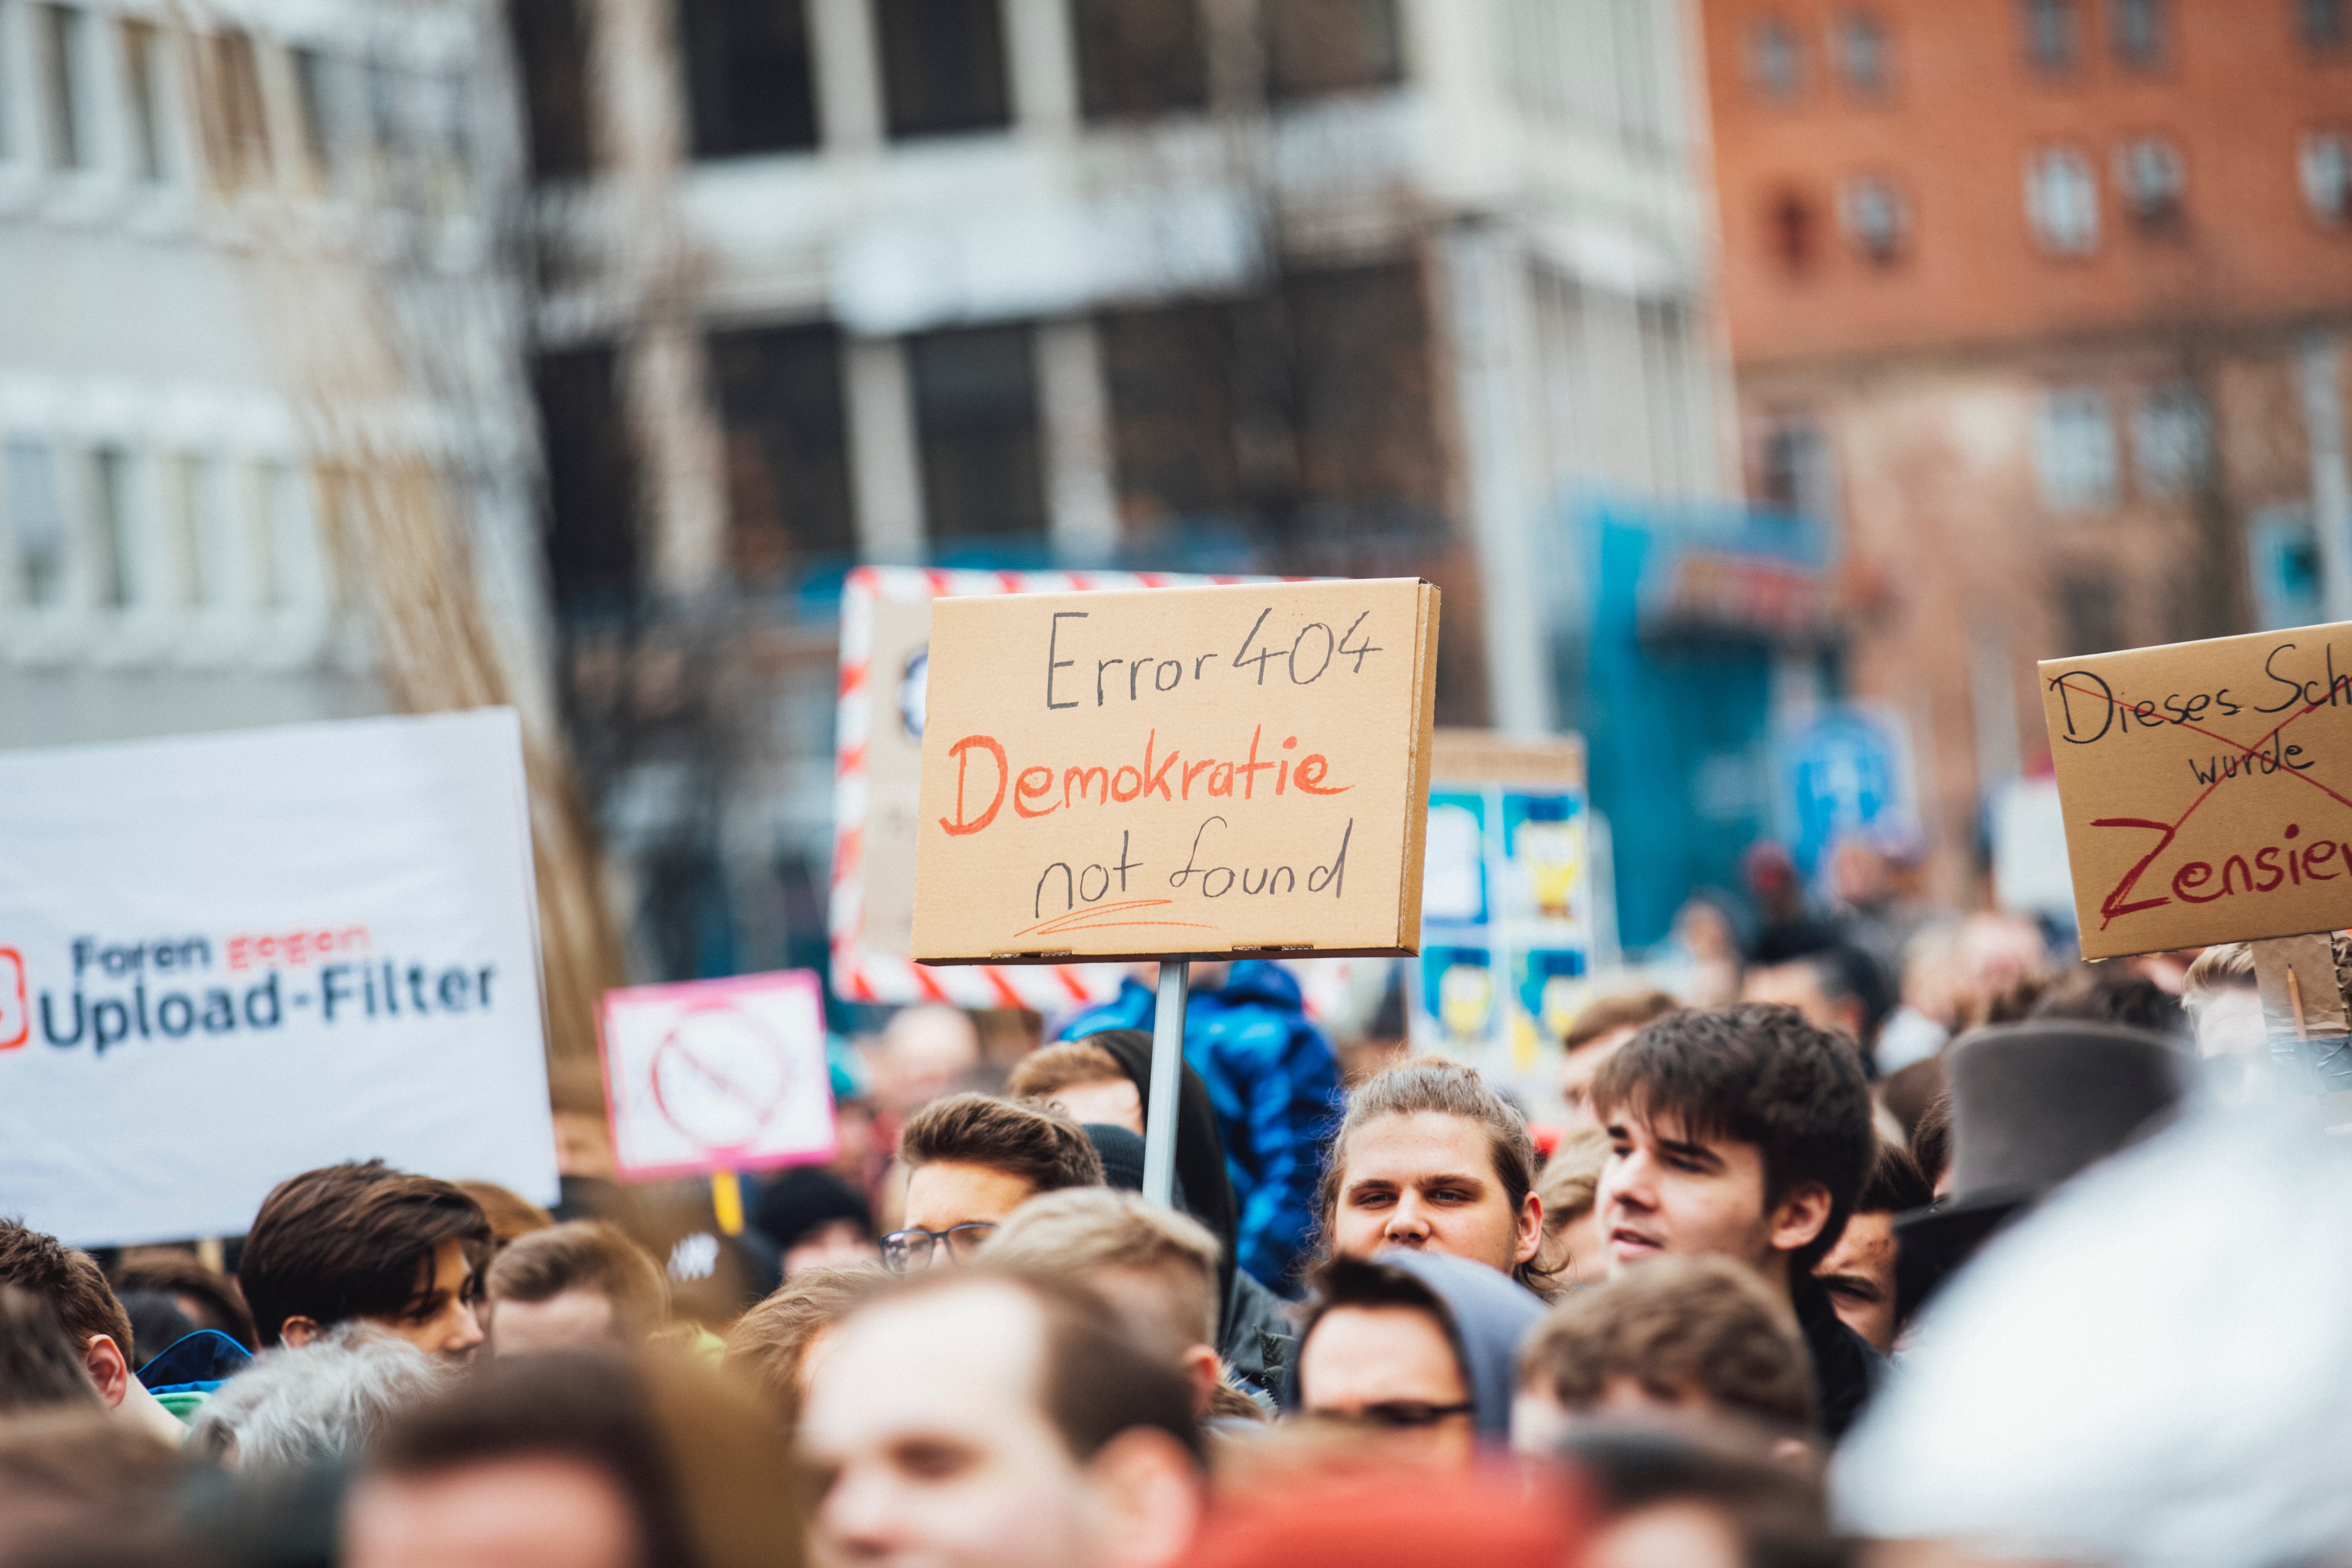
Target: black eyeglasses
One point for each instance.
(1396, 1415)
(905, 1251)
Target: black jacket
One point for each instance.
(1845, 1367)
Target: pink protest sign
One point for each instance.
(707, 1074)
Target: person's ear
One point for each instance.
(1202, 1369)
(1531, 1237)
(107, 1367)
(297, 1331)
(1151, 1496)
(1799, 1218)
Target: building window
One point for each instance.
(2149, 177)
(975, 395)
(943, 68)
(1794, 472)
(2171, 441)
(65, 70)
(1776, 58)
(2327, 175)
(2054, 34)
(2061, 201)
(2075, 450)
(1865, 57)
(2140, 32)
(780, 402)
(550, 44)
(310, 108)
(1174, 416)
(1795, 231)
(2325, 24)
(142, 68)
(37, 521)
(2090, 617)
(1139, 57)
(237, 131)
(591, 479)
(114, 529)
(1877, 219)
(1319, 47)
(749, 82)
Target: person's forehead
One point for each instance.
(963, 1362)
(1669, 1126)
(949, 1192)
(1418, 1145)
(1379, 1352)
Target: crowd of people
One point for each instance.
(1717, 1295)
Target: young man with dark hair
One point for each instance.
(366, 1241)
(971, 1160)
(581, 1286)
(1415, 1347)
(1859, 1271)
(72, 1287)
(987, 1417)
(1682, 1338)
(1743, 1131)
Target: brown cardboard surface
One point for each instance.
(2312, 959)
(1482, 756)
(2207, 788)
(1176, 770)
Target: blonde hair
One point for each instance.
(1084, 1229)
(2225, 967)
(1042, 1074)
(769, 1344)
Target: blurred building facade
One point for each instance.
(1347, 286)
(2042, 306)
(261, 375)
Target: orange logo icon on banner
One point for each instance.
(15, 1016)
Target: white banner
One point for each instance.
(226, 959)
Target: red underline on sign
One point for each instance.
(1091, 918)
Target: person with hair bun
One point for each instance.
(1431, 1159)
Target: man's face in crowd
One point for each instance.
(947, 1193)
(1390, 1371)
(1667, 1191)
(579, 1319)
(525, 1511)
(1115, 1102)
(1859, 1274)
(1576, 1074)
(929, 1448)
(440, 1322)
(1427, 1180)
(1540, 1423)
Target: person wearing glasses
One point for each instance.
(1415, 1349)
(971, 1160)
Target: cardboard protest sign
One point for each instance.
(2207, 788)
(1177, 771)
(226, 959)
(885, 630)
(709, 1075)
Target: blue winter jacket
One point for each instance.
(1275, 1087)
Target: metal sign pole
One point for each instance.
(1167, 1064)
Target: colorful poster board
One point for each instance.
(718, 1075)
(1226, 770)
(1507, 905)
(226, 958)
(2207, 788)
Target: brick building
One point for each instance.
(2042, 304)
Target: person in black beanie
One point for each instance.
(816, 1219)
